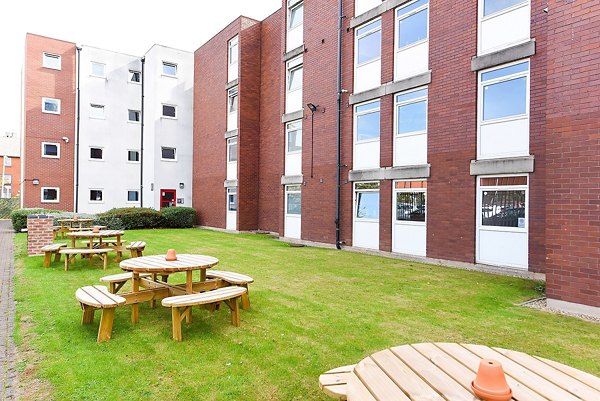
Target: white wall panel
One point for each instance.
(504, 139)
(367, 76)
(505, 29)
(412, 61)
(410, 150)
(410, 238)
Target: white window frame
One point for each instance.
(233, 92)
(168, 160)
(287, 131)
(50, 99)
(138, 196)
(479, 202)
(408, 190)
(232, 191)
(288, 191)
(355, 200)
(397, 20)
(97, 106)
(294, 65)
(90, 195)
(235, 41)
(47, 55)
(480, 88)
(92, 74)
(483, 18)
(139, 156)
(130, 76)
(407, 102)
(362, 113)
(90, 158)
(50, 156)
(7, 161)
(132, 121)
(357, 38)
(289, 18)
(169, 63)
(230, 142)
(50, 201)
(168, 117)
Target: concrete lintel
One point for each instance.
(292, 179)
(391, 88)
(230, 183)
(390, 173)
(231, 84)
(510, 165)
(503, 56)
(572, 307)
(296, 115)
(293, 53)
(375, 12)
(231, 134)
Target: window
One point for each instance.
(168, 153)
(231, 199)
(503, 201)
(169, 69)
(95, 195)
(133, 196)
(294, 137)
(135, 76)
(233, 100)
(96, 153)
(169, 111)
(51, 150)
(8, 161)
(232, 150)
(134, 116)
(51, 106)
(410, 206)
(133, 156)
(50, 194)
(293, 199)
(505, 92)
(494, 6)
(98, 69)
(295, 78)
(412, 23)
(7, 179)
(367, 200)
(51, 61)
(367, 121)
(296, 16)
(96, 111)
(233, 51)
(368, 43)
(411, 112)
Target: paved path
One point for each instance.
(8, 371)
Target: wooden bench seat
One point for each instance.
(71, 253)
(96, 297)
(334, 382)
(181, 305)
(232, 278)
(116, 281)
(50, 250)
(107, 242)
(136, 248)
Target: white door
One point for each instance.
(293, 149)
(231, 218)
(502, 226)
(366, 215)
(409, 229)
(293, 212)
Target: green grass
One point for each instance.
(312, 310)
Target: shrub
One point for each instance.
(135, 218)
(19, 217)
(111, 222)
(179, 217)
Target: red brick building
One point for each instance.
(460, 140)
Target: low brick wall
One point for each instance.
(39, 233)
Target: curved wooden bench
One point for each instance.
(232, 278)
(116, 281)
(71, 253)
(229, 295)
(136, 248)
(50, 250)
(96, 297)
(334, 382)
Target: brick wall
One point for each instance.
(573, 153)
(41, 127)
(39, 233)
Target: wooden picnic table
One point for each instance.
(102, 234)
(158, 266)
(444, 371)
(67, 225)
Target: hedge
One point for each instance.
(179, 217)
(19, 217)
(133, 218)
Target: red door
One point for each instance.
(167, 198)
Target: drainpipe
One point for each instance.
(338, 243)
(142, 135)
(77, 130)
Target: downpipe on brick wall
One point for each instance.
(338, 242)
(143, 61)
(78, 91)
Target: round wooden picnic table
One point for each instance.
(67, 224)
(92, 236)
(444, 371)
(157, 265)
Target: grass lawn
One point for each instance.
(312, 310)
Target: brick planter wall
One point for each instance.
(39, 233)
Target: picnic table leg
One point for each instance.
(106, 323)
(119, 252)
(47, 256)
(57, 257)
(135, 317)
(153, 301)
(176, 322)
(72, 242)
(202, 274)
(88, 314)
(189, 288)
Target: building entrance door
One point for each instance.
(167, 198)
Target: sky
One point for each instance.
(130, 27)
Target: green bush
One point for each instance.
(179, 217)
(19, 217)
(111, 222)
(135, 218)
